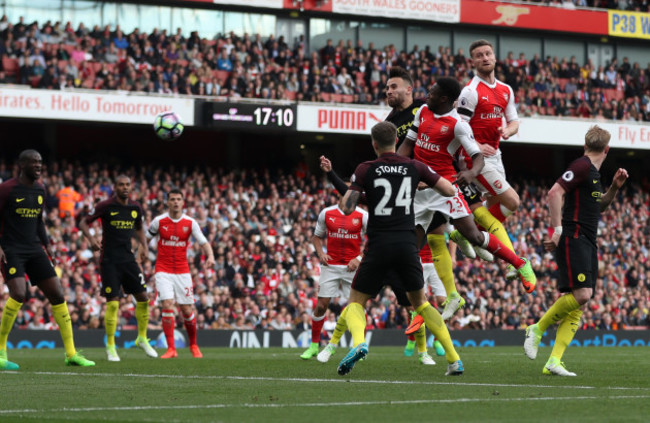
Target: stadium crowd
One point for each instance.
(260, 222)
(58, 56)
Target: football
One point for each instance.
(168, 126)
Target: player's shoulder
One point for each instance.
(188, 218)
(332, 208)
(9, 184)
(361, 211)
(472, 84)
(161, 217)
(134, 204)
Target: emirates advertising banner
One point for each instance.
(342, 120)
(91, 106)
(428, 10)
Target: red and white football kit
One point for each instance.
(344, 236)
(437, 139)
(173, 278)
(485, 106)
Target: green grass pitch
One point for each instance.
(274, 385)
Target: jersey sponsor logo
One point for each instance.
(342, 234)
(134, 214)
(27, 212)
(427, 145)
(18, 200)
(400, 170)
(568, 176)
(122, 224)
(114, 213)
(174, 242)
(497, 113)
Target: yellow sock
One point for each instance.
(421, 339)
(558, 311)
(142, 316)
(483, 217)
(110, 321)
(356, 318)
(565, 333)
(62, 318)
(341, 327)
(8, 318)
(434, 322)
(442, 261)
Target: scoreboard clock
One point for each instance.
(250, 116)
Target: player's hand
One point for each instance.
(324, 259)
(142, 255)
(619, 178)
(353, 265)
(464, 178)
(487, 150)
(3, 258)
(95, 245)
(503, 131)
(550, 244)
(325, 164)
(210, 263)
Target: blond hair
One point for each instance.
(597, 139)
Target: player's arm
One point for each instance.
(619, 179)
(84, 225)
(353, 264)
(317, 242)
(349, 201)
(332, 176)
(435, 181)
(406, 147)
(555, 200)
(4, 195)
(205, 245)
(141, 237)
(464, 134)
(512, 119)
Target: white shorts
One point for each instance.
(428, 201)
(433, 280)
(492, 179)
(180, 287)
(335, 281)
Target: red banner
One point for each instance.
(526, 15)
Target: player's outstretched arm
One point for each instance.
(619, 179)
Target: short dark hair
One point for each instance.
(122, 176)
(175, 191)
(449, 87)
(384, 134)
(399, 72)
(26, 155)
(479, 43)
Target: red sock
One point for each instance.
(495, 210)
(168, 326)
(190, 327)
(497, 248)
(316, 327)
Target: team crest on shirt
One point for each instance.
(444, 129)
(581, 277)
(134, 214)
(12, 270)
(497, 184)
(40, 199)
(185, 229)
(355, 222)
(505, 95)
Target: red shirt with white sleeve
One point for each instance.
(484, 106)
(344, 233)
(173, 240)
